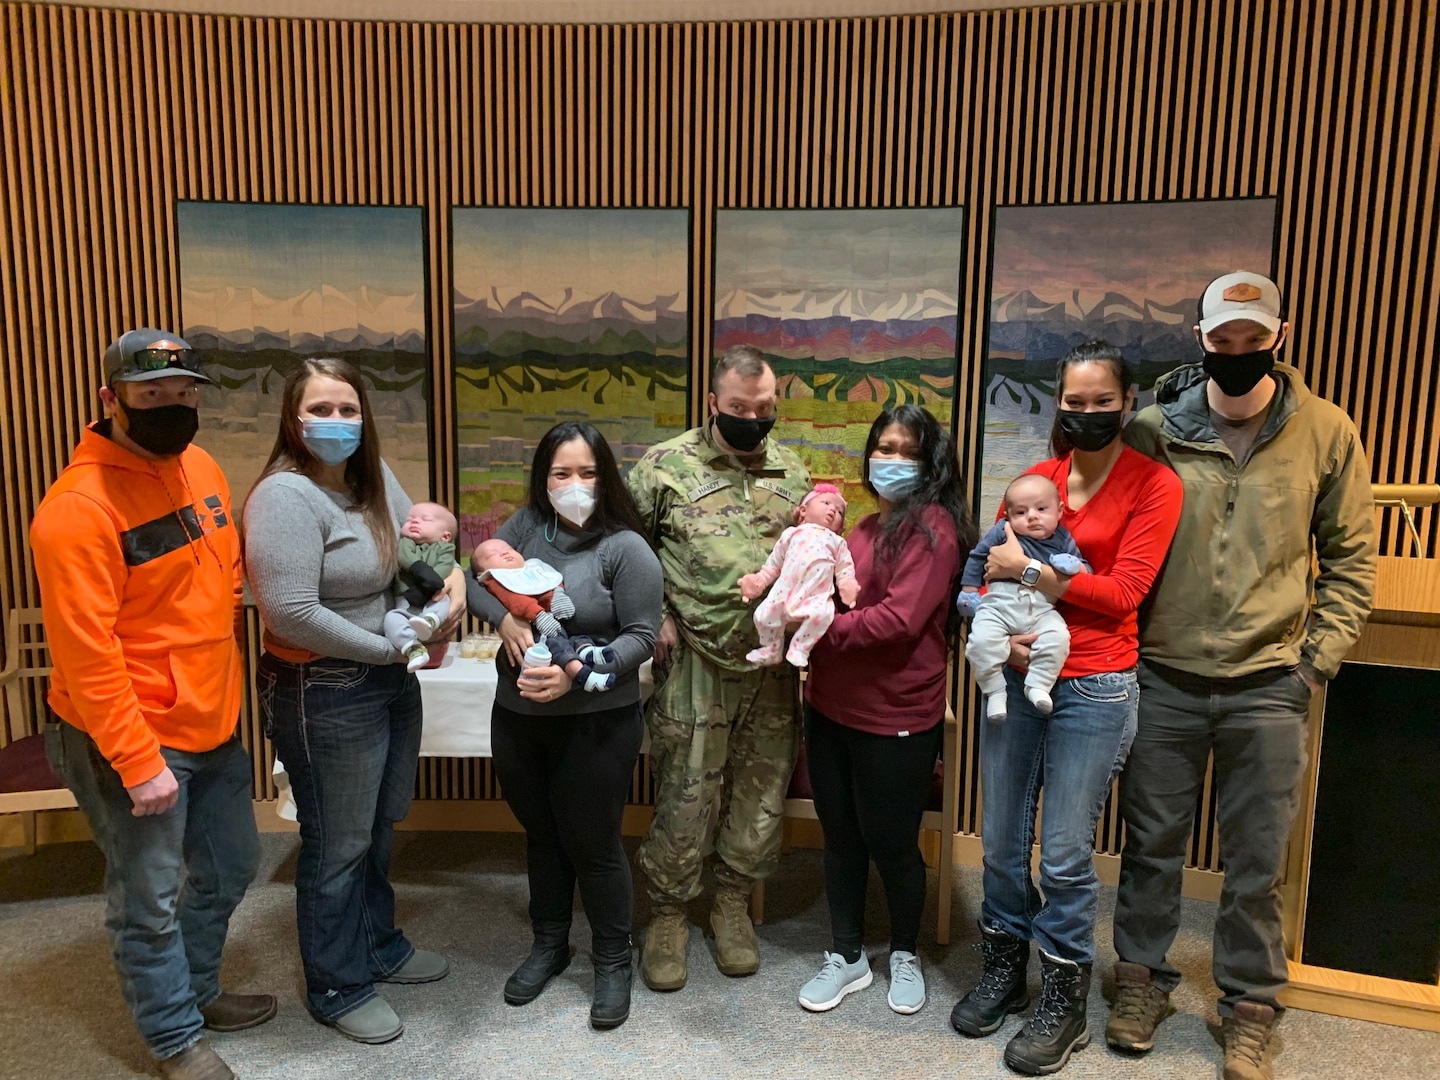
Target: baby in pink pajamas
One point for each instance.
(809, 562)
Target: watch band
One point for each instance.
(1031, 574)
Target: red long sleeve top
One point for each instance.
(881, 666)
(1124, 532)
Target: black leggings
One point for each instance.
(567, 779)
(870, 792)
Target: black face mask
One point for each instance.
(743, 433)
(165, 430)
(1090, 431)
(1236, 376)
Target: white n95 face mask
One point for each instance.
(574, 502)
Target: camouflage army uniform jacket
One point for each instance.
(712, 518)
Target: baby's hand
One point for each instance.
(849, 589)
(751, 587)
(1068, 564)
(968, 602)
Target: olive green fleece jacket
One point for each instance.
(1274, 560)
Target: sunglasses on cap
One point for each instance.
(159, 359)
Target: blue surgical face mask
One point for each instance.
(894, 478)
(332, 439)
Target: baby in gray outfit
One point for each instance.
(1032, 511)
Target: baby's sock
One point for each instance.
(595, 682)
(416, 656)
(596, 655)
(1038, 697)
(424, 625)
(995, 706)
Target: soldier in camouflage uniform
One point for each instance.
(714, 501)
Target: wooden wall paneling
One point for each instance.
(862, 110)
(1103, 119)
(1419, 289)
(289, 108)
(1136, 87)
(1381, 382)
(14, 504)
(90, 263)
(30, 407)
(884, 116)
(702, 192)
(767, 153)
(1413, 443)
(69, 153)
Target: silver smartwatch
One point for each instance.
(1031, 574)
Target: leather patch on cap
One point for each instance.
(1241, 292)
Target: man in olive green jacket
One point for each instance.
(1266, 588)
(714, 501)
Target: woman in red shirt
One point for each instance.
(875, 700)
(1122, 509)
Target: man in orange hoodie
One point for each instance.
(138, 559)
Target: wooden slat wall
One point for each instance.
(109, 116)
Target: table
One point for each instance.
(457, 696)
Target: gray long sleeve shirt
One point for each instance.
(314, 569)
(618, 590)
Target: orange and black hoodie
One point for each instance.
(139, 568)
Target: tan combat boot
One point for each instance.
(662, 962)
(737, 952)
(1247, 1042)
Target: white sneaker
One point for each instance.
(836, 979)
(907, 985)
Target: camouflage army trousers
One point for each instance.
(712, 729)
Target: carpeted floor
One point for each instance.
(464, 894)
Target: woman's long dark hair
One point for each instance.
(940, 482)
(1089, 352)
(364, 475)
(615, 509)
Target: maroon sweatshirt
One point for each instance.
(881, 667)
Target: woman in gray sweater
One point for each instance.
(564, 757)
(321, 528)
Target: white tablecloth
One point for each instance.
(457, 698)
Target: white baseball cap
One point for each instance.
(1241, 295)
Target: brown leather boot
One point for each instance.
(197, 1062)
(1139, 1007)
(236, 1012)
(1247, 1041)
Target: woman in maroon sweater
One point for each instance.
(875, 700)
(1122, 509)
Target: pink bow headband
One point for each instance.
(824, 489)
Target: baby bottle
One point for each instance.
(535, 656)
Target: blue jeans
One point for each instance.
(349, 735)
(172, 880)
(1073, 754)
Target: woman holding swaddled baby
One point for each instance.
(563, 753)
